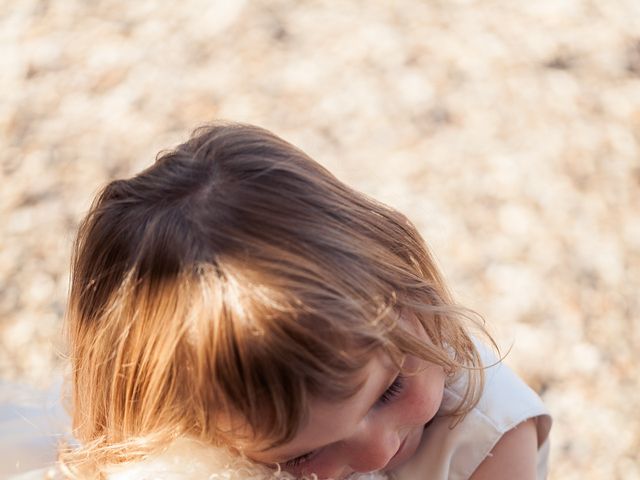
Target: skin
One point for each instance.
(514, 456)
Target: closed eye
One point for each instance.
(296, 462)
(392, 391)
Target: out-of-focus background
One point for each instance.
(509, 132)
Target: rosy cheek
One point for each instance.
(423, 399)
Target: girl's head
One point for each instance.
(235, 282)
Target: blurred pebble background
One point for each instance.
(509, 132)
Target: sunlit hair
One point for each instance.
(237, 278)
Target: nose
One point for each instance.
(372, 448)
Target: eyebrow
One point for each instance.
(387, 384)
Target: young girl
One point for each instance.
(235, 302)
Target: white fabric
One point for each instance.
(447, 453)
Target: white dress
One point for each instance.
(454, 454)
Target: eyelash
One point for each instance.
(296, 462)
(393, 391)
(389, 394)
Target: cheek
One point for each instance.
(423, 396)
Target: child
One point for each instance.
(236, 297)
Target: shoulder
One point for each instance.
(506, 400)
(514, 456)
(508, 417)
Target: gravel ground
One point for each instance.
(508, 131)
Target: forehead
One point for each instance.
(332, 421)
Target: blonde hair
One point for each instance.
(238, 278)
